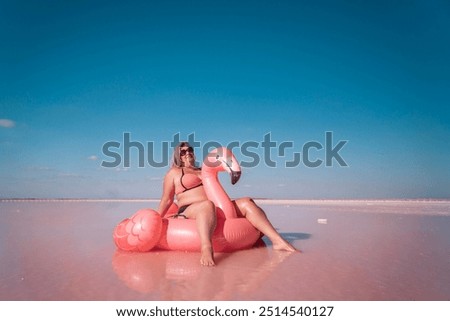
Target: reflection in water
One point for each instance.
(179, 276)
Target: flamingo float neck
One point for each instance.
(220, 159)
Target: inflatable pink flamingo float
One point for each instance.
(147, 230)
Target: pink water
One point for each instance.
(351, 250)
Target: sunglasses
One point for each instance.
(184, 151)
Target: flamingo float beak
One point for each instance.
(235, 175)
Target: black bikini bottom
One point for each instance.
(180, 211)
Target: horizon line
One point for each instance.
(262, 200)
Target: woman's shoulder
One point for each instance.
(174, 171)
(171, 175)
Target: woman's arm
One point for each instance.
(168, 194)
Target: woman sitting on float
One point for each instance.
(196, 201)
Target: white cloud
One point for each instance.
(65, 174)
(40, 168)
(7, 123)
(93, 157)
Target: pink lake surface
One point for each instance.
(351, 250)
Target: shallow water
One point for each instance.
(351, 250)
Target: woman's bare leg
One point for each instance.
(205, 215)
(256, 216)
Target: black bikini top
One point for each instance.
(188, 181)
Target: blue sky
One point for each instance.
(77, 74)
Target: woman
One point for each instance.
(184, 181)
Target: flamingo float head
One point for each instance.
(222, 159)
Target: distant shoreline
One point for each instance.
(259, 200)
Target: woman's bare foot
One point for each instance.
(282, 245)
(207, 256)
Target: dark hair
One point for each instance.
(176, 158)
